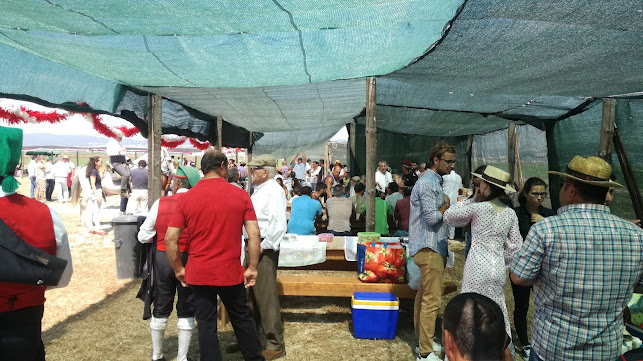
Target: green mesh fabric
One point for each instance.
(396, 147)
(445, 68)
(580, 135)
(241, 43)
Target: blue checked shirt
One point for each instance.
(586, 262)
(426, 228)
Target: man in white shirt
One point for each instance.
(31, 169)
(314, 175)
(269, 201)
(300, 167)
(382, 177)
(116, 154)
(61, 172)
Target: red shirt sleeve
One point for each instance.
(178, 217)
(250, 210)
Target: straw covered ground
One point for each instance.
(97, 317)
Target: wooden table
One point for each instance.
(336, 286)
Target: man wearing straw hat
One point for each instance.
(26, 223)
(583, 264)
(164, 281)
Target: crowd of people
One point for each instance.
(582, 262)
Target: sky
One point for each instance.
(78, 125)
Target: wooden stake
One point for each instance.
(249, 156)
(154, 124)
(371, 146)
(220, 133)
(607, 129)
(468, 166)
(630, 180)
(351, 156)
(521, 181)
(511, 150)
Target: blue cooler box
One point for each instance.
(375, 314)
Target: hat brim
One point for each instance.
(505, 187)
(606, 184)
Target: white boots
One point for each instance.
(185, 328)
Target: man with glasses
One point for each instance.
(583, 264)
(428, 245)
(269, 202)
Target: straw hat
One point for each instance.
(590, 170)
(495, 176)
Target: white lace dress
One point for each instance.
(495, 238)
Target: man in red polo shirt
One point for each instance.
(165, 283)
(22, 305)
(215, 211)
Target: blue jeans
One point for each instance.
(533, 356)
(33, 185)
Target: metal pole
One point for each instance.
(371, 145)
(154, 123)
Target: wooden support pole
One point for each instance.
(630, 180)
(607, 129)
(77, 158)
(249, 156)
(371, 146)
(154, 122)
(351, 155)
(511, 150)
(220, 133)
(326, 159)
(468, 166)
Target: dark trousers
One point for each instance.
(124, 171)
(521, 301)
(166, 286)
(245, 329)
(263, 300)
(33, 186)
(49, 190)
(20, 335)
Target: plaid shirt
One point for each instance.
(586, 262)
(426, 228)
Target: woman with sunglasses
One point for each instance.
(529, 212)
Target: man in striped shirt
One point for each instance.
(583, 264)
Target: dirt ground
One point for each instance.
(97, 316)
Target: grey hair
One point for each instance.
(382, 161)
(233, 174)
(338, 190)
(271, 171)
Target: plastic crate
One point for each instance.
(375, 315)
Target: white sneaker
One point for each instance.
(437, 348)
(430, 357)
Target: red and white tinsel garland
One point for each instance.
(23, 115)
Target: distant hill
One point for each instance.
(74, 141)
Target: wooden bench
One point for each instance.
(331, 286)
